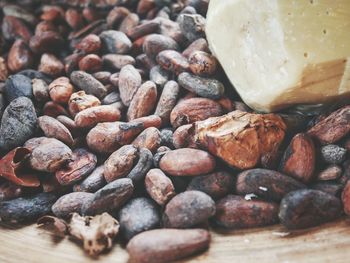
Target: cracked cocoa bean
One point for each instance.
(308, 208)
(80, 101)
(137, 216)
(188, 209)
(235, 212)
(109, 198)
(60, 90)
(183, 137)
(203, 64)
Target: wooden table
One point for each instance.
(328, 243)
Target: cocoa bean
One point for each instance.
(103, 77)
(235, 212)
(308, 208)
(198, 45)
(202, 63)
(80, 101)
(173, 61)
(90, 117)
(115, 42)
(216, 185)
(51, 65)
(332, 172)
(183, 137)
(20, 56)
(329, 187)
(187, 162)
(155, 43)
(17, 86)
(159, 186)
(130, 21)
(70, 203)
(144, 163)
(192, 26)
(13, 28)
(149, 138)
(165, 245)
(267, 184)
(298, 160)
(52, 128)
(129, 82)
(158, 76)
(116, 15)
(48, 41)
(117, 62)
(60, 90)
(149, 121)
(92, 182)
(81, 165)
(88, 83)
(137, 216)
(90, 63)
(143, 29)
(54, 109)
(40, 90)
(109, 198)
(188, 209)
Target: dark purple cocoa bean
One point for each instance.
(159, 186)
(155, 43)
(165, 245)
(158, 76)
(137, 216)
(298, 160)
(173, 61)
(129, 82)
(70, 203)
(120, 163)
(192, 26)
(80, 166)
(188, 209)
(26, 209)
(17, 86)
(187, 162)
(204, 87)
(52, 128)
(308, 208)
(332, 128)
(115, 42)
(329, 187)
(93, 182)
(167, 101)
(235, 212)
(194, 109)
(216, 185)
(144, 163)
(267, 184)
(333, 154)
(110, 198)
(88, 83)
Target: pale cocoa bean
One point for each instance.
(332, 172)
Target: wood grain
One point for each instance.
(327, 243)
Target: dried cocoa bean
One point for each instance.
(159, 155)
(202, 63)
(308, 208)
(194, 109)
(332, 172)
(155, 43)
(80, 101)
(333, 154)
(165, 245)
(167, 101)
(88, 83)
(137, 216)
(70, 203)
(158, 76)
(109, 198)
(68, 123)
(329, 187)
(183, 137)
(40, 90)
(51, 65)
(93, 182)
(298, 160)
(333, 127)
(115, 42)
(9, 191)
(159, 186)
(18, 86)
(204, 87)
(13, 28)
(216, 185)
(116, 15)
(52, 128)
(267, 184)
(143, 29)
(188, 209)
(149, 138)
(130, 21)
(90, 63)
(192, 26)
(60, 90)
(90, 117)
(20, 56)
(144, 163)
(26, 209)
(81, 165)
(129, 82)
(199, 45)
(120, 163)
(173, 61)
(235, 212)
(187, 162)
(54, 109)
(117, 62)
(149, 121)
(18, 123)
(48, 41)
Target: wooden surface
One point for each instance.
(328, 243)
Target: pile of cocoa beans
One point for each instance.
(118, 106)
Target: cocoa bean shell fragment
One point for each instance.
(166, 245)
(308, 208)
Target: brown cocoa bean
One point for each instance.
(137, 216)
(173, 61)
(149, 138)
(90, 63)
(235, 212)
(54, 109)
(143, 29)
(149, 121)
(130, 21)
(40, 90)
(167, 101)
(80, 101)
(14, 28)
(332, 172)
(346, 198)
(81, 165)
(165, 245)
(183, 137)
(129, 82)
(115, 42)
(198, 45)
(117, 62)
(308, 208)
(267, 184)
(60, 90)
(116, 15)
(216, 185)
(158, 76)
(159, 186)
(92, 182)
(202, 63)
(70, 203)
(88, 83)
(52, 128)
(194, 109)
(333, 128)
(109, 198)
(188, 209)
(48, 154)
(103, 77)
(329, 187)
(51, 65)
(48, 41)
(68, 123)
(90, 117)
(298, 160)
(155, 43)
(143, 102)
(20, 57)
(120, 163)
(90, 44)
(187, 162)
